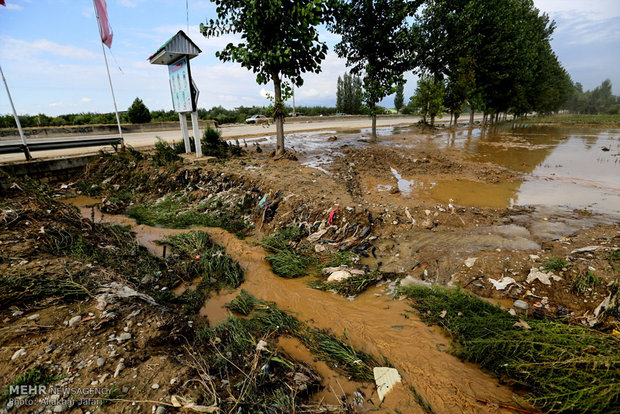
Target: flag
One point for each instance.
(2, 2)
(104, 25)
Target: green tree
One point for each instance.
(280, 40)
(138, 113)
(349, 94)
(376, 43)
(399, 98)
(428, 98)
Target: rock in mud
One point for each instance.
(33, 317)
(470, 261)
(74, 320)
(20, 352)
(521, 305)
(100, 362)
(339, 276)
(124, 337)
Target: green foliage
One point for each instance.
(138, 113)
(282, 239)
(600, 100)
(399, 98)
(280, 41)
(288, 264)
(567, 368)
(554, 263)
(428, 98)
(243, 304)
(176, 214)
(349, 94)
(355, 363)
(33, 377)
(593, 120)
(583, 282)
(376, 43)
(164, 154)
(204, 259)
(352, 286)
(344, 258)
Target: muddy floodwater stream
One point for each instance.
(374, 322)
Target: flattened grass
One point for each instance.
(567, 368)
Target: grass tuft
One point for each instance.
(352, 286)
(567, 368)
(554, 263)
(243, 304)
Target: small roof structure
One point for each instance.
(175, 48)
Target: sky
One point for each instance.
(51, 55)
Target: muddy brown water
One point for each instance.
(570, 167)
(374, 323)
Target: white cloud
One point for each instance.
(599, 9)
(55, 104)
(130, 3)
(86, 100)
(11, 47)
(12, 6)
(265, 93)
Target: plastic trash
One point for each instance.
(385, 378)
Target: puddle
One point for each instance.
(563, 167)
(415, 349)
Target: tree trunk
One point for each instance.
(278, 115)
(456, 118)
(471, 116)
(373, 136)
(450, 125)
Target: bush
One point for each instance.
(164, 154)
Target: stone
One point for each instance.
(339, 276)
(160, 410)
(470, 261)
(521, 305)
(20, 352)
(119, 368)
(125, 389)
(74, 320)
(124, 337)
(33, 317)
(155, 386)
(100, 362)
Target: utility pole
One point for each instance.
(19, 125)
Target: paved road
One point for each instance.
(148, 139)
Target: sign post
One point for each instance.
(176, 54)
(19, 125)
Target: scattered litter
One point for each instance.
(262, 200)
(536, 274)
(319, 248)
(262, 345)
(443, 314)
(469, 262)
(522, 324)
(182, 402)
(534, 256)
(110, 293)
(410, 280)
(385, 378)
(502, 283)
(587, 249)
(330, 220)
(409, 216)
(512, 312)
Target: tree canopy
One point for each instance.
(279, 40)
(138, 113)
(376, 43)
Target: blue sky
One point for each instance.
(51, 55)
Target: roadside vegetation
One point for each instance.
(577, 120)
(565, 367)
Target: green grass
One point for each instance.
(554, 263)
(585, 281)
(352, 286)
(614, 260)
(202, 258)
(35, 376)
(566, 368)
(177, 214)
(243, 304)
(355, 363)
(424, 405)
(341, 259)
(572, 119)
(288, 264)
(164, 154)
(285, 259)
(19, 289)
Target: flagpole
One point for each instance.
(19, 125)
(118, 120)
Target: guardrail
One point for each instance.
(13, 147)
